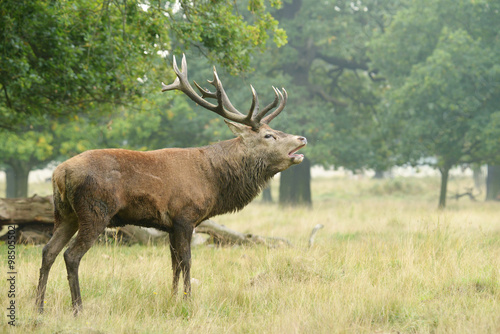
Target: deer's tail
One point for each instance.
(59, 185)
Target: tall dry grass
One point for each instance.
(387, 261)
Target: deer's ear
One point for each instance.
(237, 129)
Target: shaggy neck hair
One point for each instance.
(240, 176)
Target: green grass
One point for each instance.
(386, 261)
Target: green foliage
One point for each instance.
(444, 81)
(60, 58)
(30, 144)
(223, 33)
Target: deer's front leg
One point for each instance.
(180, 249)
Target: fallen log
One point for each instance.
(223, 236)
(31, 210)
(33, 216)
(468, 193)
(34, 219)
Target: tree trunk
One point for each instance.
(17, 179)
(10, 190)
(478, 177)
(266, 195)
(379, 174)
(444, 185)
(295, 185)
(493, 183)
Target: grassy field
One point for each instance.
(387, 261)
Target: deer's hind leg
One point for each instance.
(65, 227)
(92, 219)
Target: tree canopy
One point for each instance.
(60, 58)
(440, 58)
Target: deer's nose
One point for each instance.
(303, 140)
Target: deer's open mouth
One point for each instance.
(296, 157)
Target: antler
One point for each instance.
(224, 107)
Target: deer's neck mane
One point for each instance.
(239, 175)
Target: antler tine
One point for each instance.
(205, 92)
(283, 98)
(222, 96)
(270, 106)
(177, 83)
(184, 67)
(254, 106)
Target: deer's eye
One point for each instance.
(269, 136)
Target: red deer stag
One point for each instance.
(170, 189)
